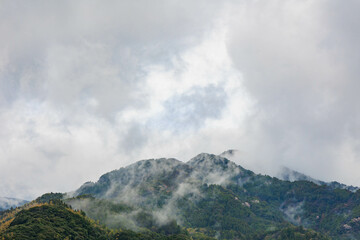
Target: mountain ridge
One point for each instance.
(170, 189)
(208, 162)
(207, 197)
(288, 174)
(7, 203)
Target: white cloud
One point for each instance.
(88, 87)
(289, 54)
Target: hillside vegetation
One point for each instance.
(208, 197)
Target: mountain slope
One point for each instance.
(51, 222)
(48, 217)
(212, 193)
(288, 174)
(205, 198)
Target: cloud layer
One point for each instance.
(87, 87)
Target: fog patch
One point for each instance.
(293, 211)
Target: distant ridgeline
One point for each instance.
(209, 197)
(7, 203)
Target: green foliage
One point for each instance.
(47, 197)
(58, 221)
(250, 206)
(51, 222)
(130, 235)
(255, 209)
(293, 233)
(228, 214)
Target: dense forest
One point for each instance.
(53, 219)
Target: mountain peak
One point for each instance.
(228, 153)
(215, 169)
(156, 163)
(136, 175)
(207, 159)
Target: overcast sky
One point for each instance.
(91, 86)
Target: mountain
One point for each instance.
(288, 174)
(7, 203)
(50, 218)
(213, 193)
(291, 175)
(207, 197)
(48, 221)
(228, 153)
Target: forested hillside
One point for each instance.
(207, 197)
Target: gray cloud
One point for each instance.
(61, 51)
(69, 72)
(189, 110)
(88, 87)
(298, 61)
